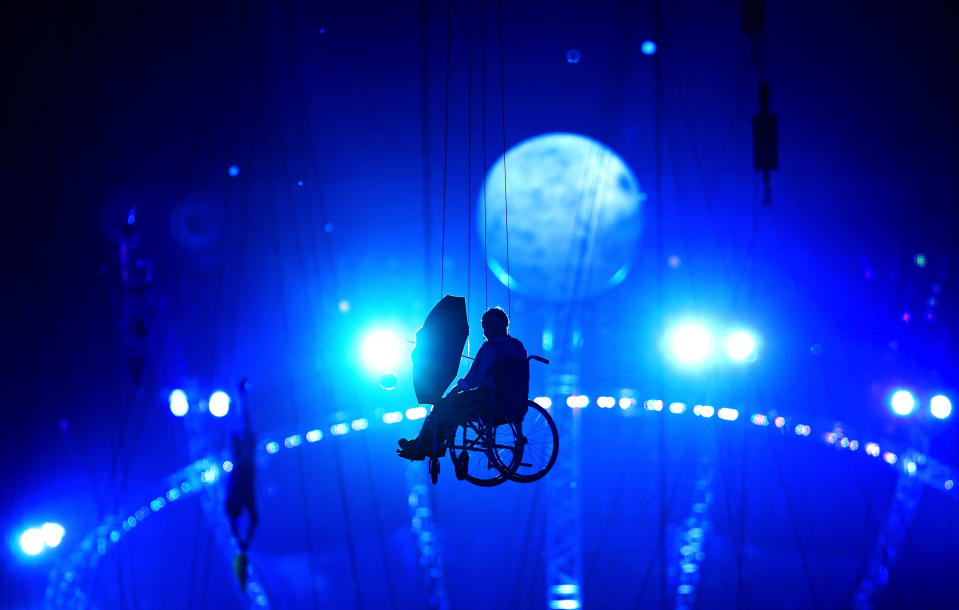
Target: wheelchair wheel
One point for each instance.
(484, 449)
(537, 447)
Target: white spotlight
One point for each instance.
(741, 346)
(903, 402)
(219, 403)
(690, 343)
(52, 534)
(179, 405)
(31, 541)
(381, 349)
(940, 406)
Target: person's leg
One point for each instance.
(457, 409)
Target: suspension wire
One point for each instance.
(446, 137)
(261, 68)
(502, 99)
(658, 138)
(425, 141)
(795, 526)
(469, 157)
(483, 71)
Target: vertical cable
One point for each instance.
(502, 100)
(483, 70)
(469, 150)
(446, 133)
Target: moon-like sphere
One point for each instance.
(573, 214)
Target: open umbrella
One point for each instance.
(439, 346)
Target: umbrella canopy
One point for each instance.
(439, 346)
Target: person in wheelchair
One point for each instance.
(498, 380)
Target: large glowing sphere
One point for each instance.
(903, 402)
(573, 213)
(690, 343)
(940, 406)
(381, 349)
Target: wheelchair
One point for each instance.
(488, 448)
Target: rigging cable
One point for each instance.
(502, 99)
(469, 155)
(446, 134)
(483, 105)
(273, 215)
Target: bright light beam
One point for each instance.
(741, 346)
(219, 403)
(381, 349)
(940, 406)
(690, 343)
(903, 403)
(179, 405)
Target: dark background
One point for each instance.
(108, 107)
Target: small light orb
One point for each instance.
(31, 541)
(272, 447)
(940, 406)
(299, 183)
(544, 401)
(313, 435)
(328, 227)
(573, 56)
(648, 47)
(388, 381)
(233, 171)
(360, 424)
(921, 260)
(343, 306)
(903, 402)
(673, 261)
(219, 403)
(393, 417)
(816, 349)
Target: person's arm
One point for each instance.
(477, 372)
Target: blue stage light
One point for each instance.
(52, 534)
(903, 402)
(219, 403)
(741, 346)
(648, 47)
(179, 405)
(940, 406)
(233, 171)
(381, 349)
(573, 56)
(31, 541)
(690, 343)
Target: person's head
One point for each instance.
(495, 323)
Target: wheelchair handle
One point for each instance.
(540, 358)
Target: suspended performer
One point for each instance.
(498, 379)
(240, 489)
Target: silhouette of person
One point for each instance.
(499, 377)
(240, 489)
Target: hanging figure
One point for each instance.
(240, 489)
(498, 378)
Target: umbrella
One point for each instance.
(439, 346)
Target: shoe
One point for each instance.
(406, 443)
(412, 453)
